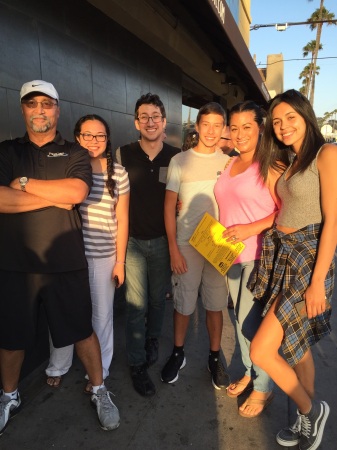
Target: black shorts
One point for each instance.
(65, 298)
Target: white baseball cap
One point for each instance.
(39, 86)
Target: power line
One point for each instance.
(284, 26)
(295, 59)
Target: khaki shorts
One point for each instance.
(200, 273)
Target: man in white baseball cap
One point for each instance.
(42, 258)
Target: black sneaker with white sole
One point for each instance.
(312, 426)
(220, 378)
(170, 372)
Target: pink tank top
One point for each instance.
(243, 199)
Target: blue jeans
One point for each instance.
(147, 277)
(248, 319)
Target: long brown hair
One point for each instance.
(313, 139)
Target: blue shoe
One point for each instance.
(312, 426)
(290, 437)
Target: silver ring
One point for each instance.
(234, 237)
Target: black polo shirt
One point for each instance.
(49, 239)
(147, 188)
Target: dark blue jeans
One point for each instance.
(147, 277)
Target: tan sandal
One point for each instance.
(245, 388)
(54, 382)
(256, 401)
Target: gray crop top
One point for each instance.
(300, 198)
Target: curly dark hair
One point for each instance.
(150, 99)
(110, 182)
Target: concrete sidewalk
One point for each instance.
(188, 414)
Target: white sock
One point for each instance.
(95, 388)
(12, 395)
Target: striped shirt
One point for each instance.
(99, 214)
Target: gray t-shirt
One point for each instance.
(193, 175)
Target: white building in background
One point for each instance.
(328, 133)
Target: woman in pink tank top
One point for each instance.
(247, 207)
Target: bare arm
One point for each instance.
(122, 214)
(315, 293)
(178, 263)
(272, 179)
(13, 201)
(67, 190)
(241, 232)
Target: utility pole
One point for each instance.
(318, 42)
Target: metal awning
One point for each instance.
(215, 19)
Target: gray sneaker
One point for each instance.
(290, 437)
(108, 414)
(8, 408)
(312, 426)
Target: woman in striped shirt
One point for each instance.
(105, 215)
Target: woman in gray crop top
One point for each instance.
(295, 276)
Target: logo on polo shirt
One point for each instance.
(56, 155)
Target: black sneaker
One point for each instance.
(290, 437)
(141, 381)
(312, 426)
(151, 348)
(170, 372)
(220, 379)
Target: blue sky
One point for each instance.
(291, 42)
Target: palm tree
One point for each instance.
(310, 48)
(306, 74)
(320, 14)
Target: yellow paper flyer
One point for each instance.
(208, 241)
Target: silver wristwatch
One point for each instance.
(23, 181)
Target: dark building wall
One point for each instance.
(95, 65)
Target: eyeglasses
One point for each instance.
(32, 104)
(144, 118)
(90, 137)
